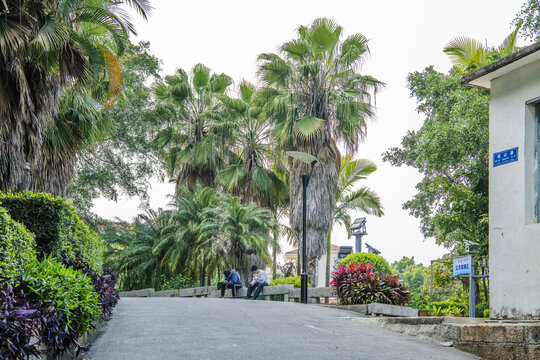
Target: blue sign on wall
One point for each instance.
(505, 157)
(462, 265)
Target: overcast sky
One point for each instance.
(405, 36)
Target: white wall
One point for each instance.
(321, 268)
(514, 235)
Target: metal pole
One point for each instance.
(303, 277)
(472, 309)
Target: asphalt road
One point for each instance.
(195, 328)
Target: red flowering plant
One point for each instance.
(361, 285)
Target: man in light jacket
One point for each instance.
(260, 280)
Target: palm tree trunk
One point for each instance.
(328, 258)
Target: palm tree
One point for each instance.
(44, 47)
(244, 232)
(130, 251)
(469, 54)
(186, 244)
(348, 199)
(191, 147)
(317, 99)
(249, 174)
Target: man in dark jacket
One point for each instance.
(232, 281)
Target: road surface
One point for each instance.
(198, 328)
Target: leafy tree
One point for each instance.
(529, 18)
(123, 162)
(192, 139)
(317, 98)
(451, 151)
(413, 275)
(45, 47)
(348, 199)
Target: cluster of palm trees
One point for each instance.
(206, 233)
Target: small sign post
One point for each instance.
(462, 265)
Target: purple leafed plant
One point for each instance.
(361, 285)
(19, 324)
(104, 285)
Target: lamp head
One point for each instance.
(303, 157)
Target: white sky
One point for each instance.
(405, 36)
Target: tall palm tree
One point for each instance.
(470, 54)
(244, 232)
(192, 150)
(318, 99)
(46, 46)
(349, 199)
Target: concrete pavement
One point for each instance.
(196, 328)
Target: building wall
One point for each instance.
(320, 277)
(514, 235)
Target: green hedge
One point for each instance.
(379, 263)
(59, 230)
(17, 246)
(294, 280)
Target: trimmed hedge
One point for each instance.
(379, 264)
(59, 230)
(294, 280)
(17, 246)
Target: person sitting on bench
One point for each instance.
(232, 281)
(260, 280)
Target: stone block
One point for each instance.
(138, 293)
(492, 351)
(490, 334)
(240, 293)
(391, 310)
(361, 308)
(467, 332)
(186, 292)
(322, 292)
(532, 353)
(165, 293)
(532, 334)
(513, 334)
(201, 291)
(277, 289)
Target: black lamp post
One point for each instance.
(308, 159)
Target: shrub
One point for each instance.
(177, 282)
(58, 229)
(19, 325)
(378, 263)
(361, 285)
(16, 246)
(294, 280)
(480, 308)
(104, 285)
(66, 290)
(445, 306)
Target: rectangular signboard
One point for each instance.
(462, 265)
(505, 157)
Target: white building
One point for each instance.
(320, 273)
(514, 182)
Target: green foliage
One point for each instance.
(294, 280)
(448, 307)
(413, 275)
(58, 229)
(378, 262)
(529, 17)
(17, 246)
(69, 291)
(177, 282)
(451, 151)
(419, 302)
(486, 313)
(481, 308)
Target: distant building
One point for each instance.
(320, 274)
(514, 182)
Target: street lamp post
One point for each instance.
(312, 160)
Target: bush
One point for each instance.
(481, 308)
(361, 285)
(16, 246)
(379, 264)
(66, 290)
(443, 307)
(19, 325)
(294, 280)
(177, 282)
(58, 229)
(104, 285)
